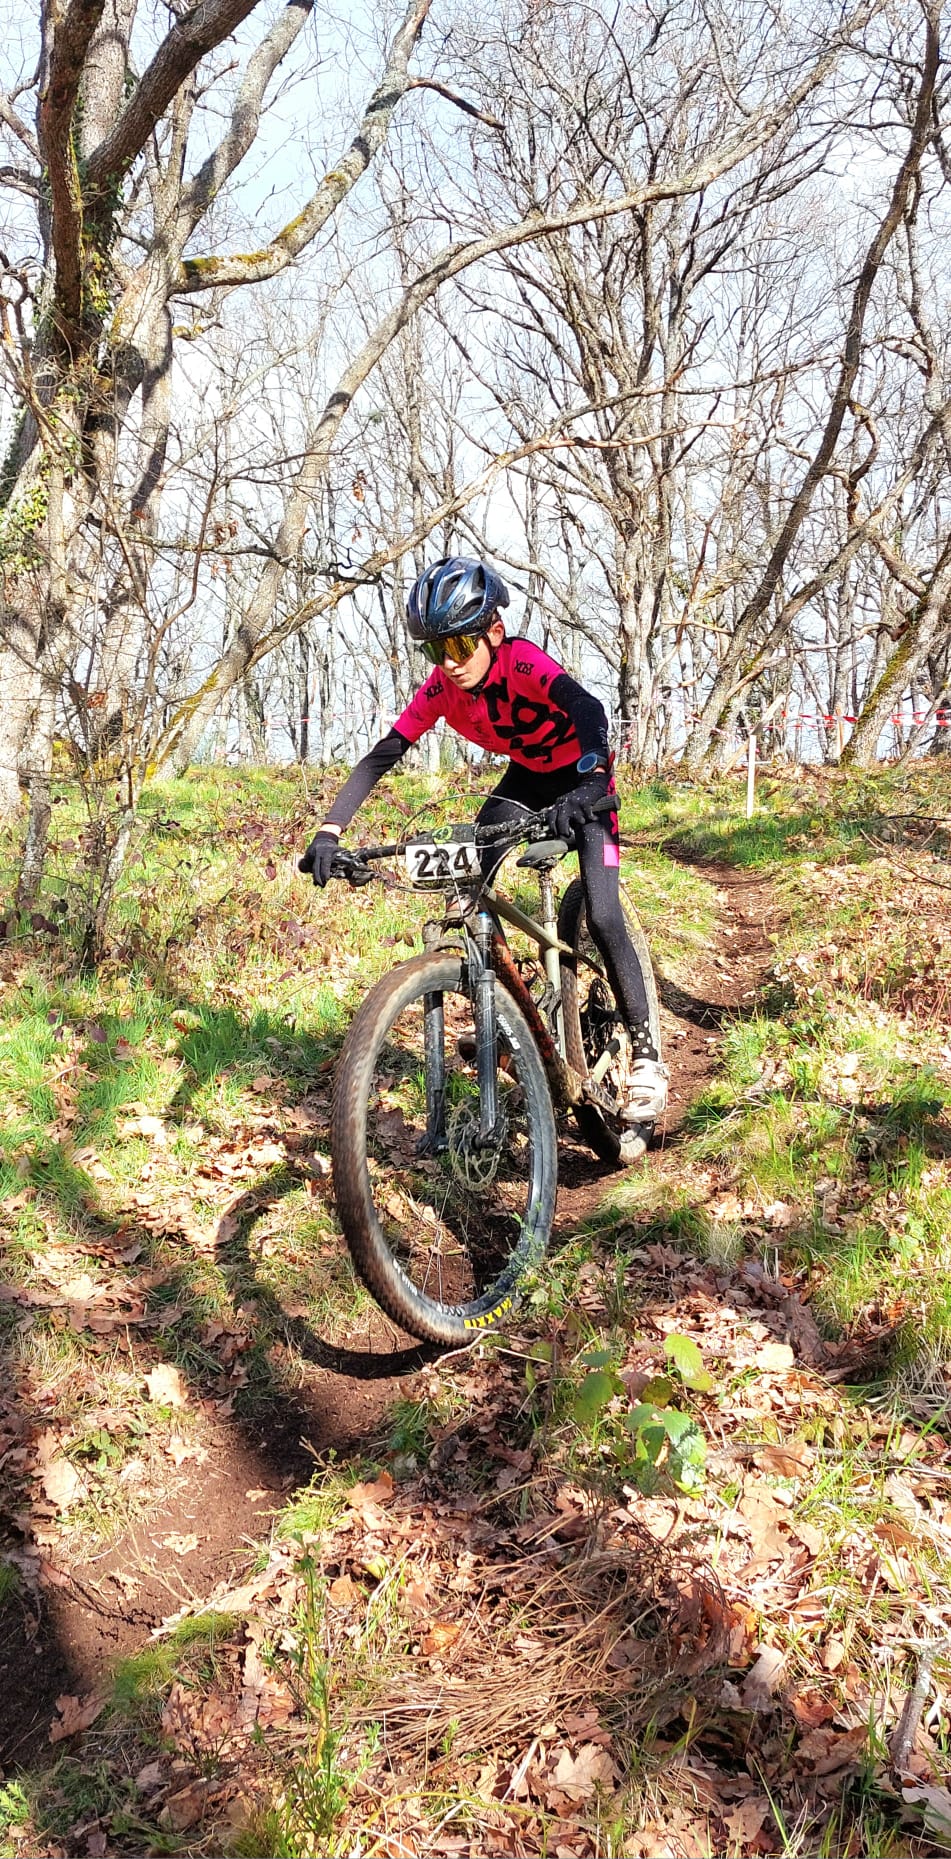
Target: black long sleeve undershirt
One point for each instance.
(585, 711)
(375, 764)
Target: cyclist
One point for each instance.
(509, 697)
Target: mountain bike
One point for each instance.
(443, 1137)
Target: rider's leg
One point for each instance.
(518, 792)
(599, 858)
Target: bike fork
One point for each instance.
(434, 1046)
(486, 1027)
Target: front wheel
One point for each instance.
(441, 1223)
(593, 1017)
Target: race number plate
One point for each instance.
(432, 861)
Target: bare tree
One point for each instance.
(91, 338)
(755, 640)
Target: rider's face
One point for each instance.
(465, 677)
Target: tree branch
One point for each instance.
(246, 116)
(253, 267)
(190, 39)
(22, 180)
(71, 39)
(15, 122)
(717, 704)
(461, 103)
(212, 273)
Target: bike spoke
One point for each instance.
(451, 1219)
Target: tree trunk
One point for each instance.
(925, 633)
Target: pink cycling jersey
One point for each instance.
(511, 714)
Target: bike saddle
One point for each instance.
(545, 854)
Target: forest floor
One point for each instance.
(276, 1581)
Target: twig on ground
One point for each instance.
(879, 845)
(903, 1737)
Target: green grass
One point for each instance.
(141, 1681)
(149, 1102)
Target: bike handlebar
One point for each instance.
(353, 866)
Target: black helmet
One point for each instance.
(455, 595)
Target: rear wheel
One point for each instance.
(593, 1018)
(440, 1233)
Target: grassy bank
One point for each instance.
(647, 1574)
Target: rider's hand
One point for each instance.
(574, 809)
(319, 857)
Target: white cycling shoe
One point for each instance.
(645, 1092)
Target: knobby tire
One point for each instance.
(408, 1216)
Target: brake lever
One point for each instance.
(347, 865)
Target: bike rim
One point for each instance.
(460, 1225)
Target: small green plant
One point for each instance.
(665, 1440)
(316, 1792)
(14, 1814)
(686, 1361)
(667, 1443)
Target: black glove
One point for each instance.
(574, 809)
(319, 857)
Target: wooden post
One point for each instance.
(750, 776)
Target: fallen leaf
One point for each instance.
(62, 1483)
(576, 1776)
(179, 1450)
(151, 1777)
(811, 1708)
(935, 1804)
(180, 1545)
(747, 1820)
(184, 1809)
(763, 1680)
(762, 1515)
(265, 1699)
(76, 1714)
(380, 1491)
(789, 1460)
(165, 1385)
(829, 1750)
(773, 1357)
(416, 1594)
(440, 1636)
(152, 1128)
(807, 1534)
(343, 1592)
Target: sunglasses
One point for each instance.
(458, 649)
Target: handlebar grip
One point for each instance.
(607, 804)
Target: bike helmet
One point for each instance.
(455, 595)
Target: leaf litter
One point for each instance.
(560, 1623)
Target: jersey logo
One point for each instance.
(522, 665)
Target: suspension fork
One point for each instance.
(482, 975)
(434, 1048)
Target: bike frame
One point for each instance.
(489, 955)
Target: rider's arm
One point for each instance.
(586, 713)
(380, 759)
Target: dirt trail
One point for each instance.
(63, 1637)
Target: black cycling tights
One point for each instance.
(520, 791)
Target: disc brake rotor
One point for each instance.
(475, 1164)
